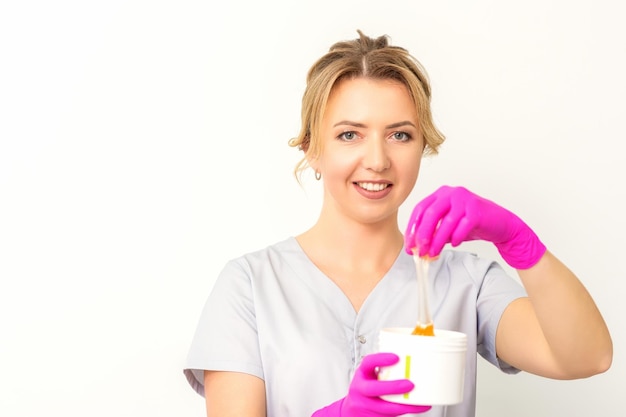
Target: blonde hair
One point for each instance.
(363, 57)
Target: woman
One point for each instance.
(290, 330)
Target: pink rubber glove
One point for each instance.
(365, 389)
(454, 215)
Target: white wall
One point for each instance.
(143, 143)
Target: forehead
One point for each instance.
(362, 99)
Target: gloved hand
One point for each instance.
(365, 389)
(454, 215)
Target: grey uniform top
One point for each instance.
(275, 315)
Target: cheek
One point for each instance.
(410, 164)
(409, 175)
(416, 166)
(339, 164)
(412, 178)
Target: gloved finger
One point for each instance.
(447, 227)
(375, 388)
(377, 407)
(396, 409)
(462, 232)
(410, 238)
(468, 224)
(369, 366)
(431, 220)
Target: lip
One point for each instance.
(373, 195)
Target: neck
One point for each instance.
(354, 242)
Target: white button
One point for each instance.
(362, 340)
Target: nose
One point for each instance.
(376, 157)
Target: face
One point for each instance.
(371, 149)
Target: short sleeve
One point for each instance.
(497, 291)
(226, 337)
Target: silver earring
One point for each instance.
(318, 175)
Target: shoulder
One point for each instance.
(241, 277)
(285, 247)
(465, 272)
(276, 252)
(270, 260)
(463, 263)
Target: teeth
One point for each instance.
(370, 186)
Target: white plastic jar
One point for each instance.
(435, 365)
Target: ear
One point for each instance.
(314, 163)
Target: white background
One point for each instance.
(144, 143)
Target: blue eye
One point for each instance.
(402, 136)
(348, 136)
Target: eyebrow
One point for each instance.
(391, 126)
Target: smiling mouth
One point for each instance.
(372, 186)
